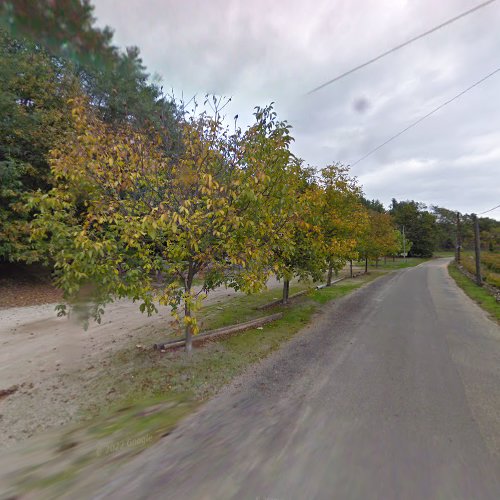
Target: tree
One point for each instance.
(51, 52)
(301, 254)
(35, 113)
(420, 226)
(380, 238)
(343, 217)
(267, 160)
(490, 233)
(116, 82)
(375, 205)
(65, 28)
(403, 246)
(446, 228)
(122, 213)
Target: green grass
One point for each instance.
(402, 264)
(243, 308)
(343, 288)
(476, 293)
(444, 253)
(490, 263)
(398, 263)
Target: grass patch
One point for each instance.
(243, 308)
(343, 288)
(138, 375)
(444, 253)
(490, 266)
(476, 293)
(399, 263)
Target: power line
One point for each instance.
(490, 210)
(404, 44)
(421, 119)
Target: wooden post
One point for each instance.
(477, 248)
(404, 244)
(188, 282)
(366, 264)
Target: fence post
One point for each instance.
(477, 248)
(459, 240)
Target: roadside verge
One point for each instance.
(478, 294)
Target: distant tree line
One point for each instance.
(446, 230)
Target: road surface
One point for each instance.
(392, 393)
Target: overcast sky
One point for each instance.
(261, 51)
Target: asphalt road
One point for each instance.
(392, 393)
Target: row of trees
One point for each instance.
(127, 218)
(436, 228)
(50, 53)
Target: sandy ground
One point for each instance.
(49, 363)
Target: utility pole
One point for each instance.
(459, 240)
(477, 248)
(404, 244)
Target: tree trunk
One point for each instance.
(376, 262)
(329, 279)
(457, 244)
(366, 264)
(385, 259)
(286, 290)
(188, 282)
(350, 267)
(188, 329)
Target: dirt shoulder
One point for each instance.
(22, 285)
(49, 365)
